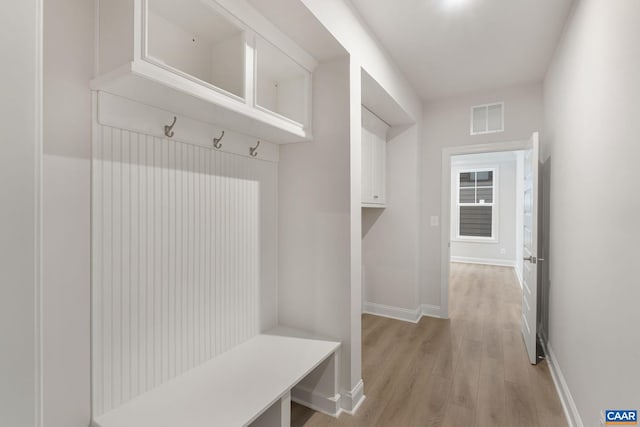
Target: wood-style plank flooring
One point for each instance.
(470, 370)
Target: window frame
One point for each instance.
(494, 205)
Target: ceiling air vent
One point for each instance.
(487, 118)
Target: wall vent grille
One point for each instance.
(487, 118)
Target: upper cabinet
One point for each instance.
(217, 61)
(374, 160)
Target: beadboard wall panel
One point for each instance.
(184, 258)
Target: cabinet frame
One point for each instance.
(125, 68)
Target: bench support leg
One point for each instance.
(285, 410)
(278, 414)
(319, 389)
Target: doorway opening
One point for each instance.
(490, 231)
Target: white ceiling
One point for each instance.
(452, 47)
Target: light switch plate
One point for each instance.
(435, 221)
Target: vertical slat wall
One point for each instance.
(178, 237)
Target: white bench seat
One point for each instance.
(233, 389)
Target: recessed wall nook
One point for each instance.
(191, 102)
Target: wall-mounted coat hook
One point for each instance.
(168, 129)
(216, 141)
(253, 151)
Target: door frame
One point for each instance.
(445, 205)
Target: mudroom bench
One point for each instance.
(250, 385)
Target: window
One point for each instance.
(475, 202)
(488, 118)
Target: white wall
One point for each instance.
(292, 99)
(20, 175)
(68, 66)
(266, 92)
(173, 45)
(314, 208)
(401, 218)
(506, 182)
(228, 60)
(446, 123)
(591, 121)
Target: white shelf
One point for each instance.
(154, 86)
(218, 62)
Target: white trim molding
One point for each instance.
(459, 169)
(518, 275)
(429, 310)
(353, 399)
(568, 404)
(445, 205)
(39, 206)
(398, 313)
(316, 401)
(403, 314)
(485, 261)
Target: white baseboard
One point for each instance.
(485, 261)
(397, 313)
(518, 276)
(431, 311)
(568, 404)
(317, 402)
(404, 314)
(352, 400)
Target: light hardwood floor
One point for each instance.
(470, 370)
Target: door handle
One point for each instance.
(533, 260)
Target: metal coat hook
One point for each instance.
(253, 151)
(216, 141)
(168, 129)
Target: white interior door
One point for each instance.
(530, 249)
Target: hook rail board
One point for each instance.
(117, 112)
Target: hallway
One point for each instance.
(471, 370)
